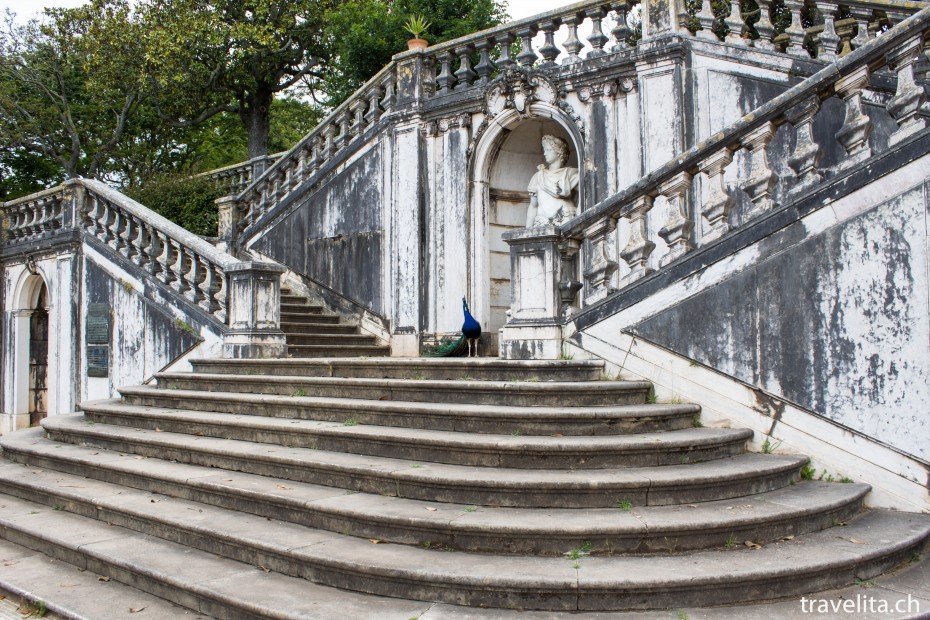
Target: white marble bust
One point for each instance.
(552, 188)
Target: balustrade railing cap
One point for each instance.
(571, 9)
(243, 165)
(45, 193)
(820, 84)
(272, 268)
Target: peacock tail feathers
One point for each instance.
(455, 348)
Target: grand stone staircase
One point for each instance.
(375, 488)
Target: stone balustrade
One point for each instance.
(838, 29)
(244, 296)
(346, 123)
(235, 178)
(35, 216)
(595, 230)
(607, 31)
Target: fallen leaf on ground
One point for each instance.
(752, 545)
(200, 434)
(374, 541)
(283, 486)
(103, 579)
(855, 541)
(431, 509)
(13, 563)
(135, 610)
(267, 570)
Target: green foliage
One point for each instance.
(807, 472)
(187, 201)
(23, 173)
(367, 33)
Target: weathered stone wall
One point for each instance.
(334, 234)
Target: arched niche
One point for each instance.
(505, 158)
(30, 312)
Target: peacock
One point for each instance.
(471, 334)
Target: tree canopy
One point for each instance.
(126, 90)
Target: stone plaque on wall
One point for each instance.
(98, 340)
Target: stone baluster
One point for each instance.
(445, 79)
(220, 297)
(194, 277)
(527, 57)
(358, 113)
(373, 115)
(47, 222)
(795, 31)
(600, 265)
(128, 237)
(707, 20)
(573, 44)
(844, 30)
(854, 134)
(504, 61)
(761, 177)
(329, 146)
(764, 27)
(314, 164)
(114, 235)
(717, 205)
(862, 17)
(597, 39)
(736, 25)
(621, 31)
(209, 286)
(181, 267)
(344, 131)
(141, 248)
(568, 284)
(390, 93)
(639, 248)
(166, 260)
(465, 74)
(828, 42)
(549, 51)
(807, 153)
(485, 67)
(154, 251)
(909, 96)
(678, 226)
(103, 228)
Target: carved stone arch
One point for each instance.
(488, 284)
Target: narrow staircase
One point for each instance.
(311, 332)
(376, 488)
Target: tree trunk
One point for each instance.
(255, 116)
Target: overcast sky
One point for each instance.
(518, 8)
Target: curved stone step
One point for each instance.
(205, 582)
(503, 393)
(423, 445)
(790, 511)
(864, 548)
(297, 318)
(599, 488)
(618, 420)
(295, 307)
(337, 350)
(479, 369)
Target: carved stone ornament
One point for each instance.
(31, 265)
(593, 92)
(517, 88)
(440, 126)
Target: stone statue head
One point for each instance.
(557, 146)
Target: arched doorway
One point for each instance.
(505, 159)
(38, 359)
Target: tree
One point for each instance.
(228, 56)
(50, 103)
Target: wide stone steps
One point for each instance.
(770, 516)
(470, 418)
(465, 369)
(484, 483)
(332, 340)
(689, 445)
(511, 393)
(596, 488)
(788, 567)
(313, 350)
(333, 327)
